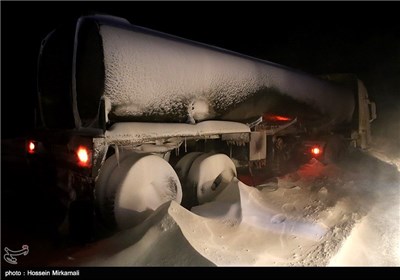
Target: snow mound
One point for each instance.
(198, 110)
(331, 217)
(225, 207)
(243, 226)
(157, 242)
(375, 239)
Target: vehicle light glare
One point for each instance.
(316, 151)
(83, 155)
(31, 147)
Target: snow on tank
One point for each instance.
(145, 75)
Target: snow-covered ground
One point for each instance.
(375, 240)
(320, 215)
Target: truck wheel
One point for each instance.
(182, 169)
(209, 175)
(128, 192)
(183, 166)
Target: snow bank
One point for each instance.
(375, 240)
(157, 242)
(153, 74)
(225, 207)
(246, 226)
(319, 215)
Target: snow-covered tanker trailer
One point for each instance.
(131, 118)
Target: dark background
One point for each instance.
(320, 38)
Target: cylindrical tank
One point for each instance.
(144, 75)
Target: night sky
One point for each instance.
(319, 38)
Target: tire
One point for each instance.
(208, 176)
(128, 192)
(105, 189)
(182, 168)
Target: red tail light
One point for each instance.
(31, 147)
(270, 117)
(83, 156)
(316, 151)
(281, 118)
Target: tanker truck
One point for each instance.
(130, 118)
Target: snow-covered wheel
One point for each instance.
(209, 175)
(182, 169)
(129, 191)
(183, 166)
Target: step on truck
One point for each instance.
(130, 118)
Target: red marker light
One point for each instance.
(270, 117)
(31, 147)
(315, 151)
(83, 155)
(281, 118)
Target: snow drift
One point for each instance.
(303, 222)
(158, 241)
